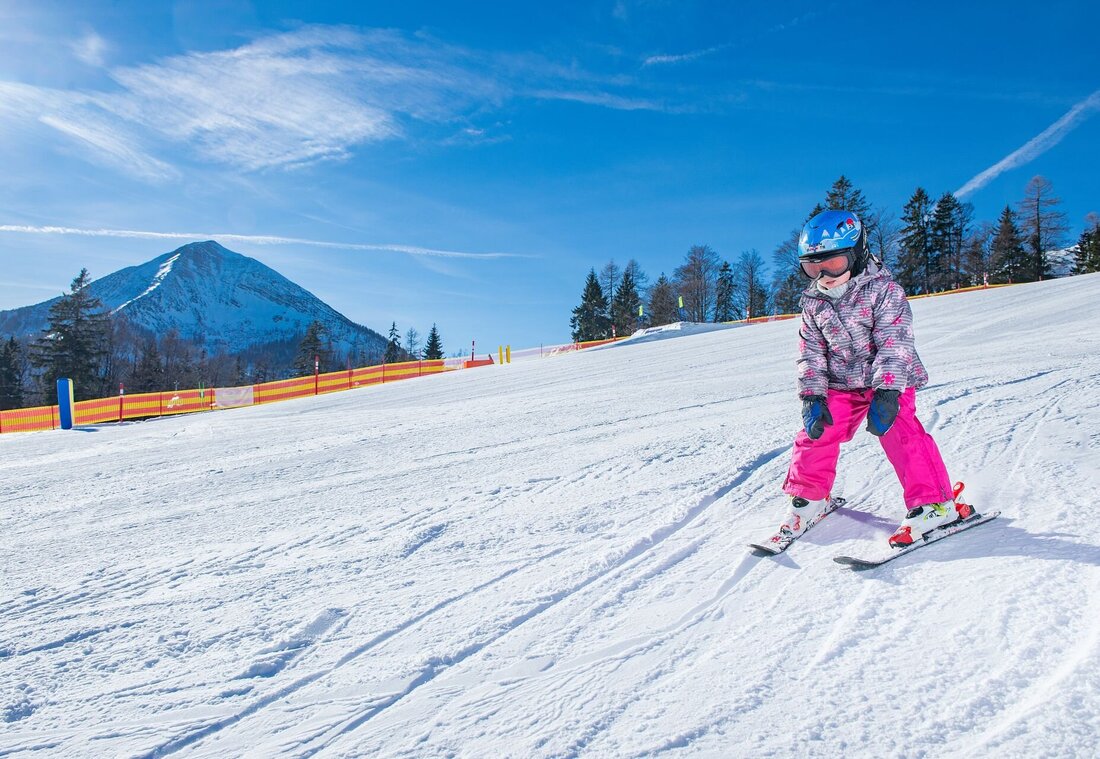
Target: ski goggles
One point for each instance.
(831, 265)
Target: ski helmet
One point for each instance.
(832, 243)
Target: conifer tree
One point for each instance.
(976, 255)
(1088, 249)
(11, 375)
(1011, 262)
(590, 320)
(1042, 226)
(148, 373)
(74, 344)
(433, 349)
(725, 304)
(394, 353)
(240, 373)
(662, 303)
(948, 229)
(624, 306)
(313, 347)
(180, 364)
(843, 195)
(641, 281)
(915, 244)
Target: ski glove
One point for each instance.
(815, 415)
(884, 410)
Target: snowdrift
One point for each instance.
(548, 559)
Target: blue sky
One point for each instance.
(466, 164)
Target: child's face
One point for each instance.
(830, 282)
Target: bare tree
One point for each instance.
(1043, 227)
(609, 279)
(787, 280)
(697, 280)
(412, 342)
(752, 290)
(883, 234)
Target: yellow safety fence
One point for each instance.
(145, 405)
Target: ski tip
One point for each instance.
(854, 563)
(760, 550)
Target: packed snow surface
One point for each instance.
(549, 559)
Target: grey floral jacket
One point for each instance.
(861, 340)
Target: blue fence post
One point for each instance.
(66, 407)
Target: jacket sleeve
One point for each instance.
(813, 373)
(893, 338)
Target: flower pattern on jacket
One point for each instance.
(864, 339)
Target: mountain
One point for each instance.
(211, 296)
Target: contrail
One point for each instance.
(411, 250)
(1036, 146)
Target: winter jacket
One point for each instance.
(863, 339)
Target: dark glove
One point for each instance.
(815, 415)
(884, 410)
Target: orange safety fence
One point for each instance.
(141, 406)
(168, 402)
(975, 288)
(29, 419)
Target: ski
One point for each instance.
(937, 534)
(781, 541)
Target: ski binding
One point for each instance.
(781, 541)
(937, 534)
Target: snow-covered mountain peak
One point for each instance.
(210, 295)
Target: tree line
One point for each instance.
(101, 352)
(934, 246)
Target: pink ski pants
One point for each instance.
(911, 451)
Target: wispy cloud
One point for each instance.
(90, 49)
(694, 55)
(113, 149)
(293, 99)
(1034, 147)
(412, 250)
(799, 20)
(656, 60)
(604, 99)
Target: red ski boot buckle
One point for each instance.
(965, 510)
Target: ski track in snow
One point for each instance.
(549, 559)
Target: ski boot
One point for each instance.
(922, 520)
(802, 514)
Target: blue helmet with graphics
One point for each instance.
(832, 242)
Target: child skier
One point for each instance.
(857, 360)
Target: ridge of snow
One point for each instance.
(158, 278)
(549, 558)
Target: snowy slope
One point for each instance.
(548, 559)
